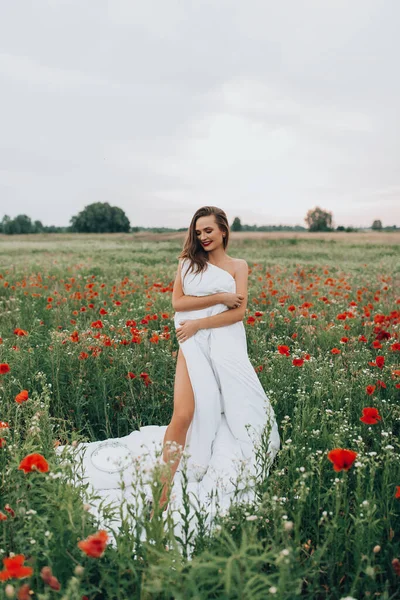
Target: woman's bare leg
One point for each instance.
(179, 425)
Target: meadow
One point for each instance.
(87, 352)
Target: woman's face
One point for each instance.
(208, 233)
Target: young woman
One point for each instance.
(220, 409)
(216, 392)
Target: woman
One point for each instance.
(220, 408)
(213, 373)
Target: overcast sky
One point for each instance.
(263, 108)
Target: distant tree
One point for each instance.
(20, 224)
(100, 217)
(318, 219)
(38, 227)
(377, 225)
(237, 224)
(340, 228)
(4, 222)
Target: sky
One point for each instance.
(262, 108)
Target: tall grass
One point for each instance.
(311, 532)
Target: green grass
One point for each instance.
(314, 531)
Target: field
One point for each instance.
(323, 331)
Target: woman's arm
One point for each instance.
(190, 327)
(182, 303)
(234, 314)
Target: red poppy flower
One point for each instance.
(342, 459)
(74, 337)
(4, 368)
(396, 566)
(381, 383)
(3, 517)
(10, 511)
(344, 340)
(20, 332)
(335, 351)
(397, 493)
(34, 462)
(284, 350)
(376, 344)
(251, 320)
(380, 361)
(83, 356)
(4, 425)
(131, 375)
(362, 338)
(103, 311)
(291, 308)
(3, 443)
(298, 362)
(395, 347)
(370, 389)
(370, 416)
(94, 545)
(22, 397)
(14, 569)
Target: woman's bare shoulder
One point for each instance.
(240, 263)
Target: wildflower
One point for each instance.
(48, 577)
(395, 347)
(370, 389)
(83, 356)
(380, 361)
(284, 350)
(335, 351)
(381, 383)
(94, 545)
(4, 368)
(342, 458)
(298, 362)
(20, 332)
(3, 517)
(3, 442)
(14, 569)
(34, 462)
(131, 375)
(22, 397)
(370, 416)
(24, 592)
(397, 493)
(10, 511)
(103, 311)
(396, 566)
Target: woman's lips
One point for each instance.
(206, 244)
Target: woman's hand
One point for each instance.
(233, 300)
(187, 329)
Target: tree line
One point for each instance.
(101, 217)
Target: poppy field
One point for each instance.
(88, 352)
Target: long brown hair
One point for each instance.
(192, 249)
